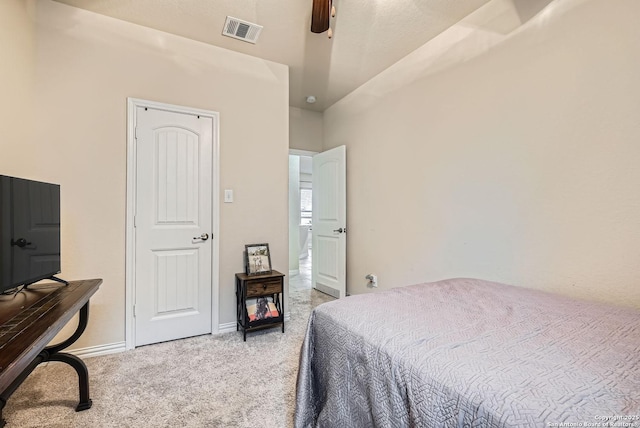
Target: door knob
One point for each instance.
(341, 230)
(202, 237)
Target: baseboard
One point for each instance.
(96, 351)
(226, 327)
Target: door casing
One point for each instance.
(130, 263)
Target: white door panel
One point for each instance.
(176, 176)
(329, 222)
(173, 210)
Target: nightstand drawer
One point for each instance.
(259, 288)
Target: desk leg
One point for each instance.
(82, 325)
(2, 404)
(83, 377)
(4, 397)
(54, 354)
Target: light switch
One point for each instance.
(228, 195)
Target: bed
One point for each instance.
(469, 353)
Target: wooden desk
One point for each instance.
(29, 320)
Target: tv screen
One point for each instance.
(29, 231)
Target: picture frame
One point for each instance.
(257, 259)
(261, 308)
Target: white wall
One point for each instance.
(86, 66)
(508, 156)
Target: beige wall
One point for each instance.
(508, 156)
(305, 129)
(17, 53)
(86, 67)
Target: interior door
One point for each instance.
(329, 222)
(173, 225)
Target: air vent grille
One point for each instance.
(241, 30)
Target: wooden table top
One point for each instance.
(273, 274)
(30, 319)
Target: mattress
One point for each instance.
(469, 353)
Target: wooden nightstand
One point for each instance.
(270, 286)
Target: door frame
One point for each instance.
(130, 260)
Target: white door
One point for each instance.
(329, 222)
(173, 225)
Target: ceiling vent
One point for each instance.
(241, 30)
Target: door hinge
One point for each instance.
(134, 222)
(135, 132)
(134, 311)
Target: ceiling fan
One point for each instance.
(321, 14)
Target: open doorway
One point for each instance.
(327, 186)
(300, 218)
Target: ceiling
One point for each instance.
(368, 35)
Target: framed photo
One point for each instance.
(257, 259)
(261, 309)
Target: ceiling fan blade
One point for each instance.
(320, 14)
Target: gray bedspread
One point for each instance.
(469, 353)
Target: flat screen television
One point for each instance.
(29, 232)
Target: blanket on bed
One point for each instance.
(469, 353)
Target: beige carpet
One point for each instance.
(205, 381)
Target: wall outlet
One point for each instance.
(373, 279)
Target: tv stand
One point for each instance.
(29, 320)
(56, 279)
(52, 278)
